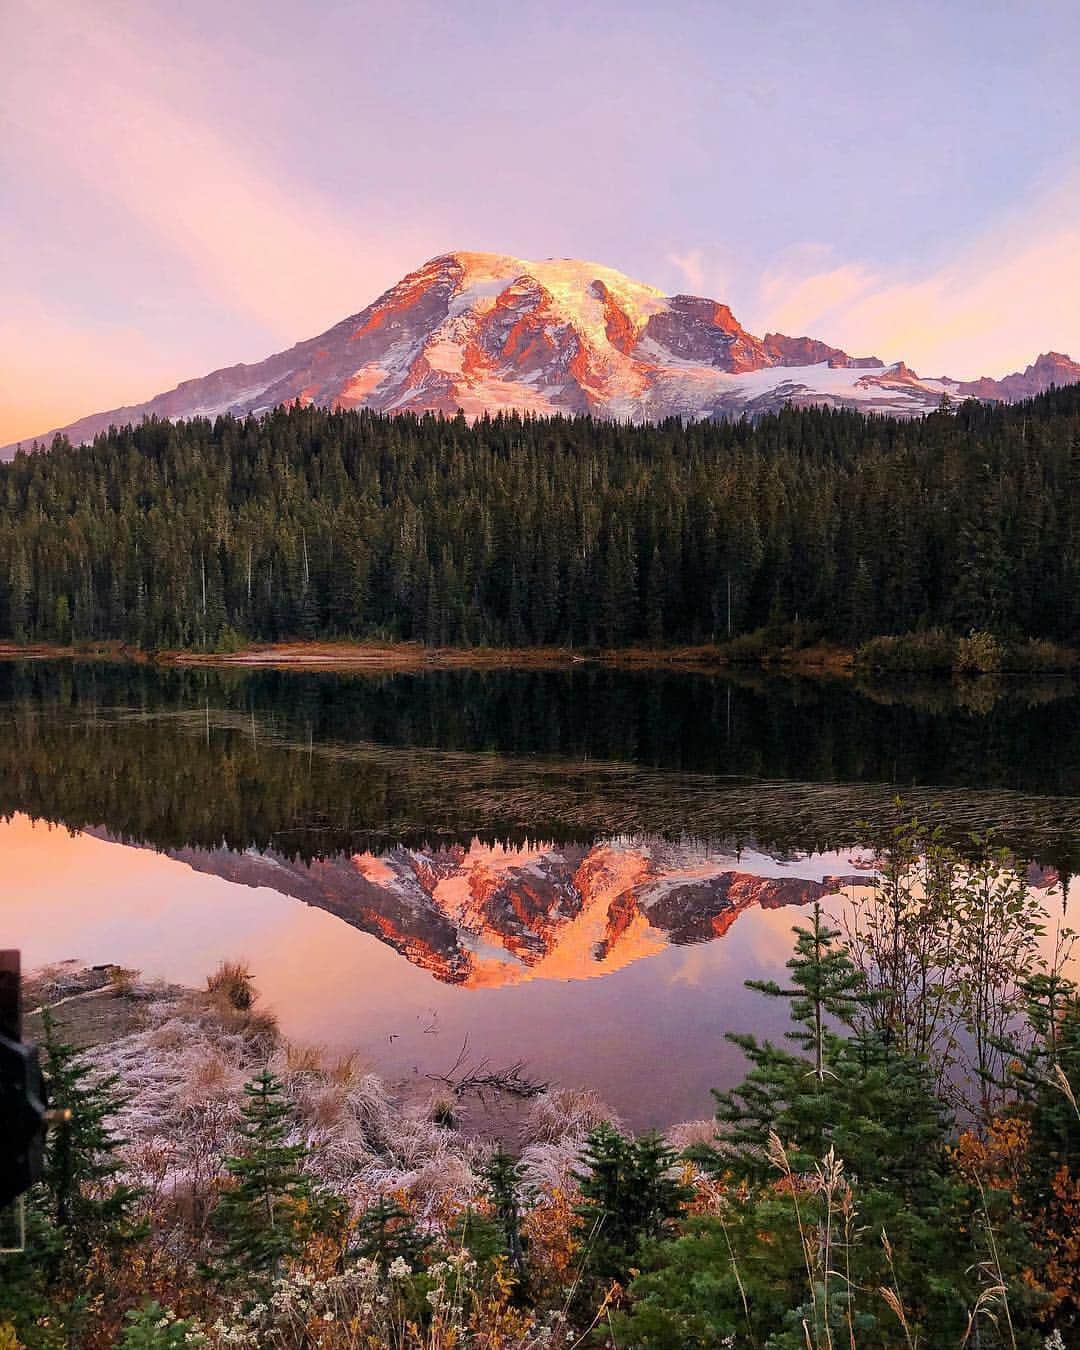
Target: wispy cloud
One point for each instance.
(245, 240)
(266, 244)
(1002, 297)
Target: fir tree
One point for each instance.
(386, 1232)
(786, 1093)
(503, 1181)
(629, 1194)
(267, 1215)
(86, 1201)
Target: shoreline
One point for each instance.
(819, 660)
(397, 657)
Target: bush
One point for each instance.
(770, 642)
(930, 652)
(979, 653)
(156, 1328)
(1035, 657)
(232, 981)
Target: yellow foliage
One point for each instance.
(999, 1158)
(553, 1248)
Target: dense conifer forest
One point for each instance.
(517, 531)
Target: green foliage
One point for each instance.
(793, 1095)
(517, 530)
(153, 1327)
(841, 1186)
(502, 1179)
(81, 1209)
(840, 1206)
(82, 1195)
(629, 1195)
(948, 941)
(932, 652)
(386, 1232)
(271, 1210)
(937, 652)
(478, 1234)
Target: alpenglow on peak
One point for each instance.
(487, 332)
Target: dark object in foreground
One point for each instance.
(22, 1092)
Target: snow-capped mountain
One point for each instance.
(482, 915)
(483, 332)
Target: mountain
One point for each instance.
(1052, 368)
(482, 915)
(484, 332)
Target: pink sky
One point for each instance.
(190, 186)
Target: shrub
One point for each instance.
(930, 651)
(122, 981)
(1035, 657)
(232, 981)
(156, 1328)
(979, 653)
(768, 643)
(629, 1196)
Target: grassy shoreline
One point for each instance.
(933, 653)
(411, 656)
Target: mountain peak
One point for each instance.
(488, 332)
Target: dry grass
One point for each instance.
(182, 1073)
(691, 1133)
(233, 982)
(301, 1059)
(122, 981)
(564, 1112)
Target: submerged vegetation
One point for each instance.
(905, 1173)
(518, 531)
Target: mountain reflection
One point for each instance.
(484, 915)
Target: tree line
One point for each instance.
(515, 530)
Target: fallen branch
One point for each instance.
(463, 1077)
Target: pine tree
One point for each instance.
(80, 1218)
(87, 1202)
(629, 1195)
(19, 597)
(828, 1161)
(503, 1181)
(268, 1214)
(791, 1093)
(386, 1232)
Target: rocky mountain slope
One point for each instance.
(484, 332)
(486, 915)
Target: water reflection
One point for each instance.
(575, 868)
(484, 915)
(649, 1036)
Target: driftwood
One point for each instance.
(464, 1076)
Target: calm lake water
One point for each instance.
(578, 869)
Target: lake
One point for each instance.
(576, 869)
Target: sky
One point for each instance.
(185, 186)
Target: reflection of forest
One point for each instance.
(310, 764)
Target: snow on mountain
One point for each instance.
(482, 915)
(484, 332)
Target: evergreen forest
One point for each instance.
(521, 531)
